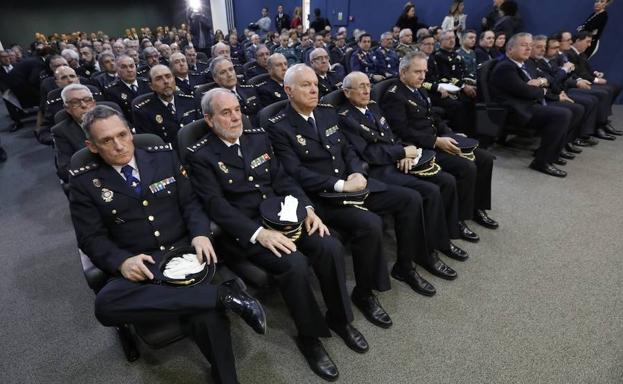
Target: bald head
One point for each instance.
(277, 65)
(64, 76)
(221, 49)
(356, 88)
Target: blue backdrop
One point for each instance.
(539, 17)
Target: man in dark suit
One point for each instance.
(194, 65)
(124, 225)
(164, 111)
(237, 50)
(260, 65)
(328, 80)
(185, 81)
(224, 74)
(271, 90)
(512, 86)
(408, 109)
(338, 51)
(390, 161)
(234, 171)
(317, 155)
(282, 19)
(484, 51)
(5, 83)
(127, 86)
(108, 72)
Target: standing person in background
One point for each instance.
(488, 22)
(264, 23)
(505, 23)
(296, 18)
(408, 19)
(595, 24)
(282, 19)
(456, 19)
(319, 23)
(200, 27)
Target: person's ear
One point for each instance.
(91, 146)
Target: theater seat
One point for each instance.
(335, 98)
(200, 90)
(255, 80)
(380, 88)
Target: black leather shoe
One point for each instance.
(438, 268)
(560, 161)
(548, 169)
(455, 253)
(372, 310)
(572, 148)
(567, 155)
(481, 217)
(467, 234)
(233, 296)
(581, 142)
(612, 131)
(351, 336)
(601, 134)
(3, 155)
(318, 359)
(415, 281)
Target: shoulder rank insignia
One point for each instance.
(223, 167)
(124, 96)
(325, 105)
(157, 148)
(159, 119)
(260, 160)
(197, 145)
(107, 195)
(371, 102)
(364, 128)
(331, 130)
(301, 140)
(344, 112)
(84, 169)
(393, 89)
(277, 118)
(254, 130)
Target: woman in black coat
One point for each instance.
(408, 19)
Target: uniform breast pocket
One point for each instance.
(164, 192)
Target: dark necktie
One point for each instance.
(171, 109)
(237, 95)
(312, 123)
(134, 88)
(132, 181)
(235, 149)
(186, 82)
(369, 115)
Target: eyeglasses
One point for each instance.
(321, 58)
(77, 102)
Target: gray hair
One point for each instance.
(261, 46)
(148, 51)
(206, 101)
(349, 79)
(539, 38)
(121, 57)
(216, 61)
(104, 55)
(70, 54)
(217, 46)
(407, 59)
(73, 87)
(100, 112)
(316, 52)
(175, 56)
(404, 31)
(512, 42)
(155, 68)
(288, 79)
(386, 34)
(446, 33)
(272, 57)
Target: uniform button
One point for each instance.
(230, 181)
(114, 211)
(157, 233)
(150, 218)
(382, 134)
(145, 203)
(332, 157)
(328, 146)
(162, 248)
(250, 178)
(337, 170)
(263, 196)
(257, 185)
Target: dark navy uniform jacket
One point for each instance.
(68, 139)
(315, 159)
(411, 116)
(254, 70)
(112, 223)
(450, 67)
(363, 62)
(194, 79)
(118, 92)
(331, 82)
(151, 116)
(386, 61)
(270, 91)
(233, 187)
(249, 100)
(200, 66)
(103, 79)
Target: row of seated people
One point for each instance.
(308, 150)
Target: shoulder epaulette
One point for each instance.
(277, 118)
(344, 112)
(371, 102)
(85, 169)
(185, 95)
(202, 62)
(245, 85)
(197, 145)
(427, 86)
(160, 148)
(393, 89)
(110, 85)
(142, 103)
(325, 105)
(254, 130)
(260, 84)
(54, 101)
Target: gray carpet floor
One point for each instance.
(539, 301)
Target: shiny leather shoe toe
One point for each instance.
(372, 310)
(233, 296)
(456, 253)
(467, 234)
(567, 155)
(548, 169)
(581, 142)
(438, 268)
(481, 217)
(414, 280)
(601, 134)
(572, 148)
(318, 359)
(560, 161)
(351, 336)
(609, 129)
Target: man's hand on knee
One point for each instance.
(134, 268)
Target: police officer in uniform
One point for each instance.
(127, 86)
(385, 57)
(260, 65)
(165, 111)
(328, 80)
(194, 65)
(408, 110)
(366, 128)
(315, 153)
(152, 57)
(233, 172)
(363, 59)
(224, 74)
(185, 80)
(89, 65)
(128, 208)
(108, 72)
(271, 90)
